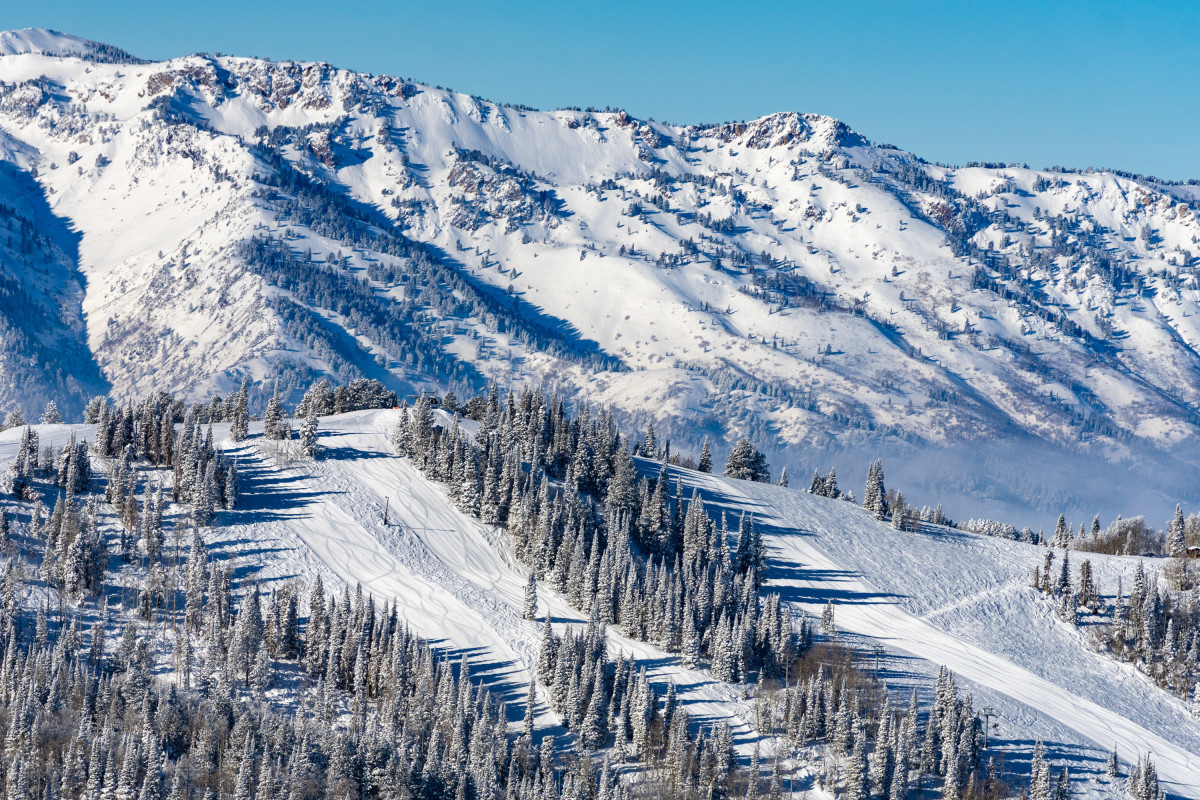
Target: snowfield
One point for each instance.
(782, 277)
(1015, 343)
(453, 577)
(942, 597)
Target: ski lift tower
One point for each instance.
(987, 712)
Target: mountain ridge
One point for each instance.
(781, 278)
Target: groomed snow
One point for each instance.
(963, 600)
(937, 598)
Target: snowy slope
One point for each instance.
(964, 601)
(942, 598)
(782, 278)
(39, 41)
(453, 577)
(44, 353)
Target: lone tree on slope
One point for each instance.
(747, 464)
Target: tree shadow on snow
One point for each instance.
(782, 572)
(350, 453)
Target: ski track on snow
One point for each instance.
(457, 586)
(800, 530)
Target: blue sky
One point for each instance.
(1080, 84)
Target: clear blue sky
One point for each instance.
(1076, 83)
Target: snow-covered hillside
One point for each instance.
(941, 598)
(783, 278)
(935, 598)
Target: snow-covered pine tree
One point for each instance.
(239, 426)
(308, 436)
(274, 423)
(529, 610)
(705, 463)
(1062, 534)
(745, 462)
(51, 415)
(827, 624)
(754, 775)
(875, 495)
(649, 441)
(593, 731)
(1176, 543)
(882, 758)
(1112, 767)
(857, 785)
(1039, 770)
(831, 484)
(899, 512)
(317, 401)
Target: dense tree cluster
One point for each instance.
(1154, 628)
(615, 705)
(70, 469)
(322, 399)
(826, 707)
(658, 566)
(386, 716)
(87, 719)
(201, 474)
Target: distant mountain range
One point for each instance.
(993, 329)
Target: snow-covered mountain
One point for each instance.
(209, 217)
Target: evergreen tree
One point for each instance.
(650, 441)
(530, 608)
(899, 512)
(594, 729)
(1177, 543)
(308, 436)
(317, 401)
(1062, 534)
(530, 708)
(1039, 788)
(747, 463)
(705, 463)
(899, 786)
(827, 625)
(274, 424)
(857, 786)
(50, 415)
(239, 426)
(875, 495)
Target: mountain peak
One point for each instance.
(46, 42)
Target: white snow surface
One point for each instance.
(453, 577)
(963, 600)
(154, 165)
(942, 597)
(40, 41)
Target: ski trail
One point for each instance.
(887, 622)
(455, 583)
(795, 524)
